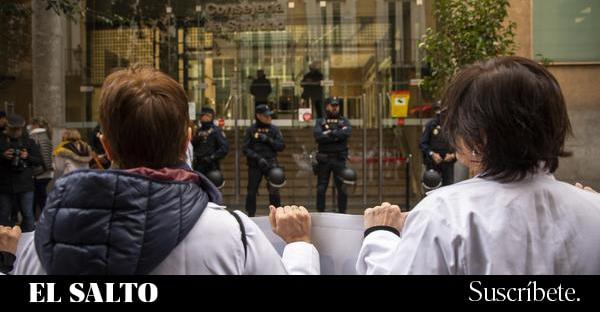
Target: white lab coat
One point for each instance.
(535, 226)
(213, 246)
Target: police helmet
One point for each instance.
(277, 177)
(431, 180)
(216, 177)
(348, 176)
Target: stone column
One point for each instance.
(48, 38)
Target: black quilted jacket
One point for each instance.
(115, 222)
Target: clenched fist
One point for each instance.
(291, 223)
(9, 238)
(385, 215)
(587, 188)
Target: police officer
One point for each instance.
(262, 142)
(313, 90)
(331, 134)
(210, 145)
(437, 152)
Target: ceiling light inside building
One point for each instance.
(323, 4)
(291, 4)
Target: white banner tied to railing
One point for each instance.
(337, 237)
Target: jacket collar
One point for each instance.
(38, 130)
(84, 231)
(181, 173)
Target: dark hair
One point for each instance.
(511, 111)
(144, 116)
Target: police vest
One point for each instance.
(263, 149)
(207, 143)
(438, 141)
(340, 146)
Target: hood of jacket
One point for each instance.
(119, 222)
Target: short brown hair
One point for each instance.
(510, 110)
(71, 135)
(144, 116)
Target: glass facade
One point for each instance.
(366, 50)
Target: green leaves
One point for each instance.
(11, 8)
(467, 31)
(69, 8)
(72, 9)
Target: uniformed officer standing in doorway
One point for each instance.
(437, 152)
(261, 88)
(332, 134)
(209, 142)
(262, 142)
(313, 90)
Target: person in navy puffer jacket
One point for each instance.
(151, 213)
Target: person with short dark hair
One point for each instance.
(508, 121)
(19, 155)
(262, 142)
(261, 88)
(151, 214)
(209, 142)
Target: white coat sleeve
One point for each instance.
(376, 256)
(263, 259)
(301, 259)
(428, 245)
(27, 261)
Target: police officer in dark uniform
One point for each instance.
(437, 152)
(262, 142)
(332, 134)
(313, 90)
(209, 142)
